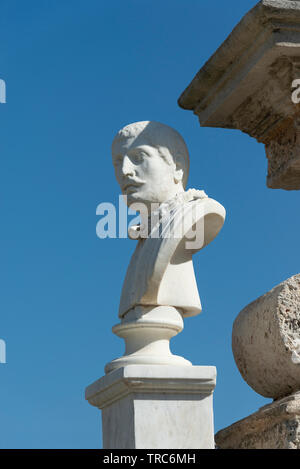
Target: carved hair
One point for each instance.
(168, 141)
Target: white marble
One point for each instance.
(161, 270)
(156, 407)
(149, 397)
(151, 163)
(147, 332)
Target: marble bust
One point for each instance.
(151, 164)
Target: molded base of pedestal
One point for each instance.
(138, 359)
(147, 332)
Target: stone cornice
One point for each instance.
(247, 85)
(256, 31)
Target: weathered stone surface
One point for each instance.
(266, 341)
(275, 426)
(247, 85)
(283, 154)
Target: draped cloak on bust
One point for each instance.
(161, 271)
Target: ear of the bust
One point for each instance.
(178, 173)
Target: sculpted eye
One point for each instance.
(139, 156)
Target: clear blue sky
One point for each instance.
(76, 71)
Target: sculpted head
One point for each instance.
(151, 162)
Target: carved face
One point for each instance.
(143, 174)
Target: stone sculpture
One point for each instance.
(151, 165)
(147, 396)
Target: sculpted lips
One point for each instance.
(131, 186)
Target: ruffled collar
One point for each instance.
(134, 231)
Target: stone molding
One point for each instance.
(156, 406)
(247, 85)
(150, 379)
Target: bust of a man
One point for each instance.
(151, 164)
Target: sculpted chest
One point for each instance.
(161, 271)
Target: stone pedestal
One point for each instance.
(275, 426)
(156, 407)
(266, 348)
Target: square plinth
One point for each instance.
(163, 407)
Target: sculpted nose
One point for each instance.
(127, 167)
